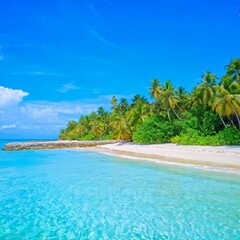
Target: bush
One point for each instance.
(228, 136)
(155, 130)
(203, 119)
(188, 137)
(109, 136)
(87, 137)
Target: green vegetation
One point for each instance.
(209, 115)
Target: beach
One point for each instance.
(224, 157)
(221, 157)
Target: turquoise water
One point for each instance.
(69, 194)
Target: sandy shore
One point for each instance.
(227, 157)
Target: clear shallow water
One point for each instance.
(68, 194)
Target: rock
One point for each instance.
(55, 144)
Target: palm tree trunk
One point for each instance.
(223, 121)
(236, 114)
(176, 114)
(238, 120)
(238, 77)
(168, 115)
(231, 122)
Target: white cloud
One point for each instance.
(104, 40)
(35, 119)
(8, 126)
(54, 111)
(39, 112)
(41, 73)
(67, 87)
(10, 96)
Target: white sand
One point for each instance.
(223, 156)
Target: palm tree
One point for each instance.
(71, 125)
(97, 128)
(138, 114)
(155, 89)
(233, 69)
(204, 93)
(114, 103)
(226, 102)
(121, 128)
(184, 98)
(138, 98)
(114, 100)
(101, 112)
(123, 106)
(169, 99)
(100, 124)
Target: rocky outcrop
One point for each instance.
(54, 144)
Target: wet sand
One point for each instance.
(224, 157)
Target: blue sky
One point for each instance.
(60, 59)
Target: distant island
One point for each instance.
(209, 115)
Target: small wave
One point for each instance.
(160, 161)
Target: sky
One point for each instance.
(60, 59)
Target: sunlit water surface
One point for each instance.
(69, 194)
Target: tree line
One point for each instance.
(208, 115)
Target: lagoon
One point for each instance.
(75, 194)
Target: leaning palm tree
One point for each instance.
(96, 130)
(227, 100)
(233, 69)
(204, 92)
(121, 128)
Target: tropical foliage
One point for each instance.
(209, 115)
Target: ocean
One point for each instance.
(76, 194)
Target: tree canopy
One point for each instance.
(210, 114)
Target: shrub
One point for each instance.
(154, 130)
(228, 136)
(203, 119)
(87, 137)
(109, 136)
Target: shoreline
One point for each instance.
(222, 159)
(217, 158)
